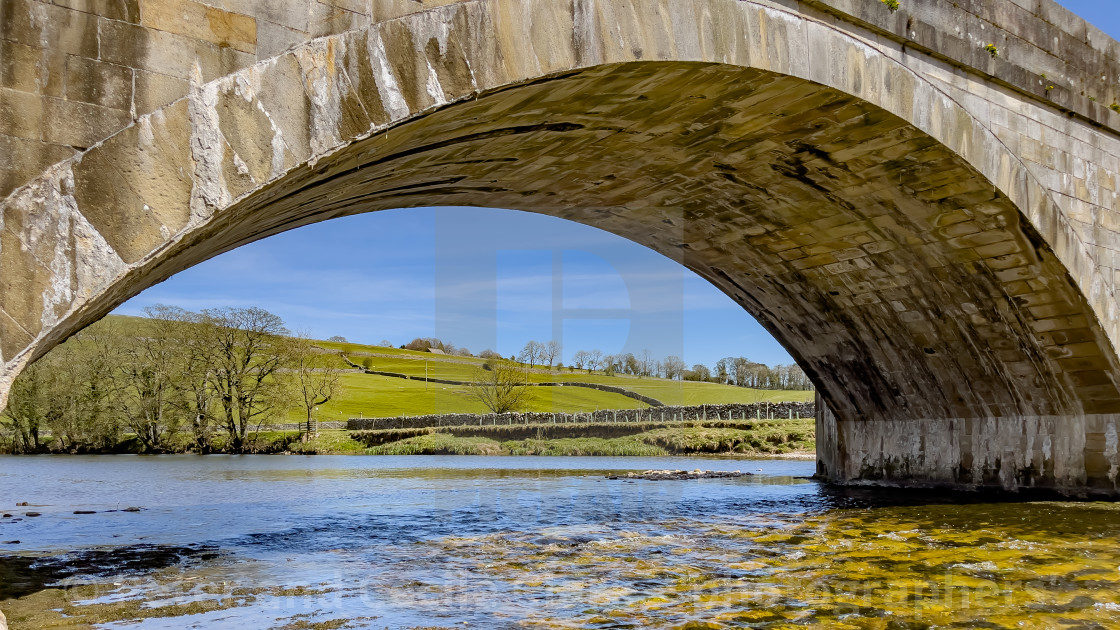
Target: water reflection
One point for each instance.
(363, 542)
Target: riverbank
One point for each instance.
(785, 438)
(759, 437)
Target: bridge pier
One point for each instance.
(1074, 455)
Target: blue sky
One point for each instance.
(478, 277)
(485, 278)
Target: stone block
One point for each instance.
(199, 21)
(329, 19)
(19, 67)
(24, 282)
(291, 14)
(23, 160)
(980, 239)
(21, 114)
(154, 90)
(98, 83)
(167, 53)
(42, 25)
(120, 10)
(273, 39)
(137, 199)
(80, 125)
(288, 109)
(391, 9)
(1000, 249)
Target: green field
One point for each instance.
(374, 396)
(381, 396)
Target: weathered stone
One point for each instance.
(80, 124)
(21, 160)
(21, 114)
(154, 90)
(19, 67)
(167, 53)
(329, 18)
(199, 21)
(152, 183)
(98, 83)
(291, 14)
(44, 25)
(273, 39)
(120, 10)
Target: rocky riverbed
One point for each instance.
(660, 475)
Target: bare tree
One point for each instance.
(197, 393)
(149, 377)
(581, 359)
(594, 360)
(501, 385)
(673, 367)
(337, 339)
(316, 378)
(549, 352)
(247, 354)
(531, 353)
(612, 364)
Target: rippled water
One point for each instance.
(374, 542)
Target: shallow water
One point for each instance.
(376, 542)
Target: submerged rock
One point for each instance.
(658, 475)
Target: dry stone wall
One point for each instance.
(750, 411)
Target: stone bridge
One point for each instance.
(920, 204)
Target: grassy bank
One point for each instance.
(744, 438)
(750, 437)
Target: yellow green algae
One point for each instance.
(1003, 565)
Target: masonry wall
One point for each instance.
(73, 72)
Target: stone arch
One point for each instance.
(903, 255)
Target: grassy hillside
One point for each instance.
(381, 396)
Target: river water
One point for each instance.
(291, 543)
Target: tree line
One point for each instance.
(739, 371)
(179, 380)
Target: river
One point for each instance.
(318, 543)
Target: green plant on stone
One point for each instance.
(992, 50)
(893, 5)
(1115, 107)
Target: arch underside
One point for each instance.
(902, 281)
